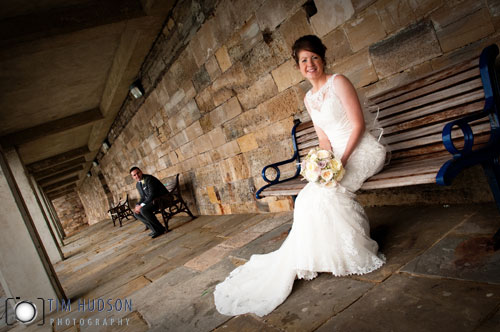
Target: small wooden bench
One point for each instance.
(171, 203)
(417, 129)
(121, 211)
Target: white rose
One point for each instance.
(311, 176)
(323, 154)
(326, 174)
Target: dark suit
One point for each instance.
(149, 188)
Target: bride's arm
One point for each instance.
(349, 99)
(324, 142)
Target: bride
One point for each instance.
(330, 231)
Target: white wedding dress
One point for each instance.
(330, 231)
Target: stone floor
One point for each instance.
(441, 275)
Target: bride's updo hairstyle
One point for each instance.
(309, 43)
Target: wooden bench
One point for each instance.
(121, 211)
(454, 110)
(172, 203)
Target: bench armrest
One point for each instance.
(464, 125)
(295, 159)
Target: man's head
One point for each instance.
(136, 173)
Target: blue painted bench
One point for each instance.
(454, 110)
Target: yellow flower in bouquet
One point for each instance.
(320, 166)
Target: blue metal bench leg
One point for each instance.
(492, 170)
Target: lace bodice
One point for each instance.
(328, 113)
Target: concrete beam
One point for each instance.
(52, 127)
(67, 19)
(60, 167)
(71, 186)
(58, 159)
(48, 178)
(61, 183)
(61, 194)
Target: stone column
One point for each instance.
(31, 202)
(41, 199)
(25, 268)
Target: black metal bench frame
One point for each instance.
(121, 211)
(172, 203)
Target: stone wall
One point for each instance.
(94, 199)
(222, 90)
(70, 211)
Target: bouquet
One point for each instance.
(320, 166)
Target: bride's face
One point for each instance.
(310, 64)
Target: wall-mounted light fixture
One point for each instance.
(89, 174)
(136, 89)
(95, 163)
(106, 145)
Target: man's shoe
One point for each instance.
(156, 234)
(152, 233)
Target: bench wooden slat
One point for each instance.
(450, 81)
(472, 96)
(449, 114)
(480, 128)
(432, 98)
(428, 79)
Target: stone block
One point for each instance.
(246, 10)
(244, 40)
(247, 143)
(223, 58)
(179, 139)
(451, 12)
(234, 168)
(337, 46)
(360, 5)
(395, 14)
(409, 47)
(245, 123)
(208, 40)
(465, 31)
(330, 15)
(202, 144)
(213, 194)
(217, 137)
(279, 107)
(423, 7)
(206, 124)
(172, 106)
(201, 79)
(225, 112)
(188, 150)
(189, 91)
(365, 30)
(275, 132)
(228, 150)
(263, 89)
(295, 27)
(205, 101)
(194, 131)
(273, 12)
(286, 75)
(212, 68)
(204, 159)
(226, 19)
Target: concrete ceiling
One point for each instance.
(65, 69)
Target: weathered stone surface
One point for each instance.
(465, 31)
(225, 112)
(203, 144)
(216, 137)
(359, 5)
(286, 75)
(423, 7)
(358, 68)
(247, 143)
(234, 168)
(449, 12)
(295, 27)
(395, 14)
(263, 89)
(201, 79)
(365, 30)
(234, 79)
(276, 132)
(330, 15)
(272, 12)
(223, 58)
(280, 106)
(213, 68)
(194, 131)
(337, 46)
(226, 150)
(460, 306)
(407, 48)
(205, 101)
(244, 40)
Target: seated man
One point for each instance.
(149, 188)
